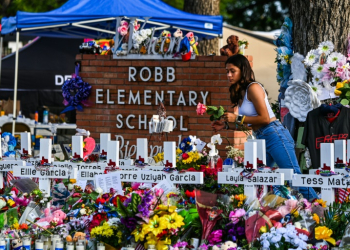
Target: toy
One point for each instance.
(193, 42)
(57, 216)
(76, 237)
(90, 47)
(178, 33)
(16, 243)
(231, 48)
(165, 35)
(123, 51)
(60, 193)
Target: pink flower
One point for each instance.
(215, 237)
(236, 214)
(123, 30)
(288, 206)
(136, 27)
(124, 23)
(201, 108)
(277, 224)
(159, 192)
(307, 205)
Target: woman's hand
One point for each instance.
(229, 117)
(218, 125)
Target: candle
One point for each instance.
(194, 243)
(26, 242)
(2, 243)
(80, 246)
(101, 246)
(59, 245)
(70, 246)
(8, 244)
(39, 244)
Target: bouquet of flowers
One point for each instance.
(236, 154)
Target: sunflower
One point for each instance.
(172, 221)
(139, 233)
(170, 209)
(154, 226)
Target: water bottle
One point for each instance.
(36, 117)
(46, 117)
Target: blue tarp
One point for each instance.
(84, 10)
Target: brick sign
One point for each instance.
(126, 93)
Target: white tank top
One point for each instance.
(247, 108)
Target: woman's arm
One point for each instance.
(256, 95)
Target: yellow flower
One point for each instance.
(295, 213)
(120, 235)
(324, 233)
(337, 92)
(178, 151)
(150, 240)
(321, 202)
(316, 218)
(139, 233)
(73, 181)
(15, 226)
(339, 85)
(170, 209)
(11, 202)
(172, 221)
(163, 244)
(154, 226)
(263, 229)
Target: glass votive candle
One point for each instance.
(59, 245)
(2, 243)
(26, 242)
(80, 246)
(70, 245)
(39, 244)
(101, 246)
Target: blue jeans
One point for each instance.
(280, 150)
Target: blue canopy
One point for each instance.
(97, 18)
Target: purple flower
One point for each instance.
(129, 222)
(215, 237)
(127, 202)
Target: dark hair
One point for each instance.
(248, 77)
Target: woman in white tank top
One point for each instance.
(255, 111)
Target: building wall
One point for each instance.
(106, 75)
(264, 60)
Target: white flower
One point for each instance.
(2, 203)
(303, 237)
(317, 70)
(83, 211)
(276, 238)
(266, 244)
(311, 57)
(70, 186)
(297, 225)
(316, 80)
(325, 47)
(113, 221)
(136, 46)
(327, 86)
(335, 57)
(149, 32)
(99, 190)
(317, 88)
(281, 230)
(216, 139)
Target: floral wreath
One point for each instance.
(82, 91)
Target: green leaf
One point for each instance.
(220, 113)
(212, 118)
(348, 94)
(71, 200)
(346, 85)
(135, 201)
(212, 107)
(94, 195)
(121, 209)
(210, 112)
(344, 101)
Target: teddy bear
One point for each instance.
(76, 237)
(193, 42)
(231, 48)
(57, 216)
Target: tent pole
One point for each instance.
(15, 87)
(1, 42)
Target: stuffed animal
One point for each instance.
(76, 237)
(60, 193)
(8, 144)
(231, 48)
(193, 42)
(57, 216)
(16, 243)
(178, 33)
(165, 35)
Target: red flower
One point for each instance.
(318, 172)
(15, 190)
(184, 156)
(192, 170)
(163, 233)
(76, 195)
(190, 194)
(97, 220)
(121, 198)
(100, 201)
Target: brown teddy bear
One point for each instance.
(231, 48)
(76, 237)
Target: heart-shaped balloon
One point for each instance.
(89, 146)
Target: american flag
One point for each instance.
(139, 247)
(342, 195)
(10, 177)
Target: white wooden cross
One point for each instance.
(326, 183)
(104, 139)
(142, 150)
(250, 185)
(26, 145)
